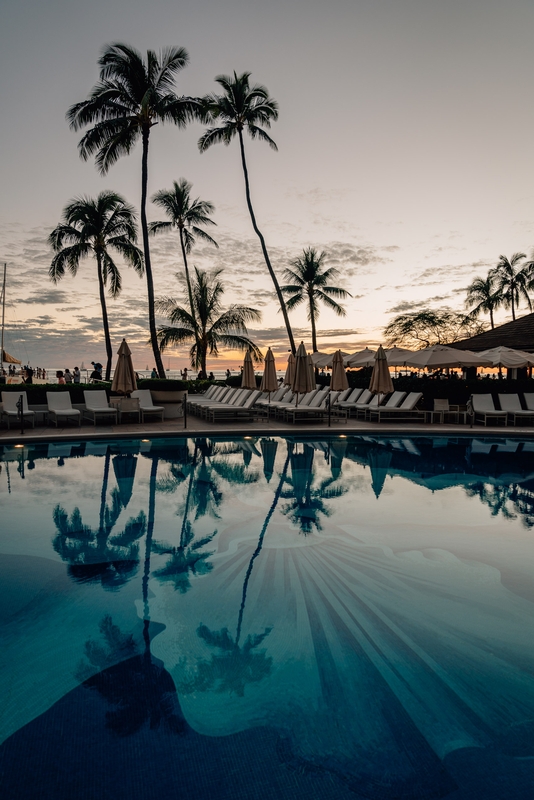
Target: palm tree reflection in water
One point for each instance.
(306, 501)
(92, 555)
(234, 667)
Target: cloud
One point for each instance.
(53, 296)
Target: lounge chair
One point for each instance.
(196, 401)
(236, 398)
(484, 409)
(60, 408)
(512, 405)
(317, 408)
(97, 405)
(529, 400)
(146, 404)
(10, 410)
(406, 411)
(242, 410)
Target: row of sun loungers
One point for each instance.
(97, 406)
(511, 410)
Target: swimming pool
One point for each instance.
(267, 617)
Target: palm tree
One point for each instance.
(245, 107)
(206, 324)
(513, 281)
(131, 97)
(309, 282)
(95, 228)
(481, 294)
(187, 215)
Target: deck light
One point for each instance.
(19, 445)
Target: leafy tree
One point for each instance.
(97, 228)
(206, 324)
(420, 329)
(131, 97)
(483, 297)
(513, 280)
(308, 283)
(245, 107)
(188, 557)
(187, 216)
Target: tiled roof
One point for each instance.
(519, 335)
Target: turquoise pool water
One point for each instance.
(267, 618)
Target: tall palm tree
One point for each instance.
(244, 107)
(131, 97)
(309, 283)
(481, 294)
(187, 215)
(96, 228)
(513, 281)
(206, 324)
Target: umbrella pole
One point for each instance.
(329, 409)
(184, 406)
(20, 409)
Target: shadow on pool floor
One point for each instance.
(122, 735)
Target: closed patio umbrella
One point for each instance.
(269, 381)
(268, 451)
(312, 369)
(248, 379)
(290, 371)
(339, 380)
(124, 468)
(302, 380)
(381, 382)
(124, 376)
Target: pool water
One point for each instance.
(267, 618)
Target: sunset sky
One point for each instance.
(405, 152)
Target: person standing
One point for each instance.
(76, 375)
(153, 374)
(184, 374)
(68, 375)
(60, 377)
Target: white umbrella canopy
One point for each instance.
(248, 379)
(506, 357)
(269, 381)
(290, 371)
(339, 380)
(439, 355)
(327, 359)
(302, 379)
(381, 382)
(316, 357)
(124, 376)
(397, 356)
(363, 358)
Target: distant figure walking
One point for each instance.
(76, 375)
(228, 374)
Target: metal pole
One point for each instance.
(329, 408)
(20, 409)
(184, 404)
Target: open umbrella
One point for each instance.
(439, 355)
(124, 376)
(248, 379)
(326, 359)
(269, 381)
(339, 380)
(290, 371)
(381, 382)
(363, 358)
(302, 379)
(397, 356)
(506, 357)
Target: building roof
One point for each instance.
(518, 335)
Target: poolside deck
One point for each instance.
(199, 427)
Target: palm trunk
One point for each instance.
(313, 327)
(187, 278)
(148, 267)
(491, 319)
(148, 550)
(105, 322)
(188, 498)
(264, 248)
(513, 307)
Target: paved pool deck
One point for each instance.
(199, 427)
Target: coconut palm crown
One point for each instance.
(483, 297)
(240, 108)
(513, 281)
(308, 282)
(132, 95)
(207, 325)
(188, 216)
(97, 228)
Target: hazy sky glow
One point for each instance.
(404, 151)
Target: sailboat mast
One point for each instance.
(3, 320)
